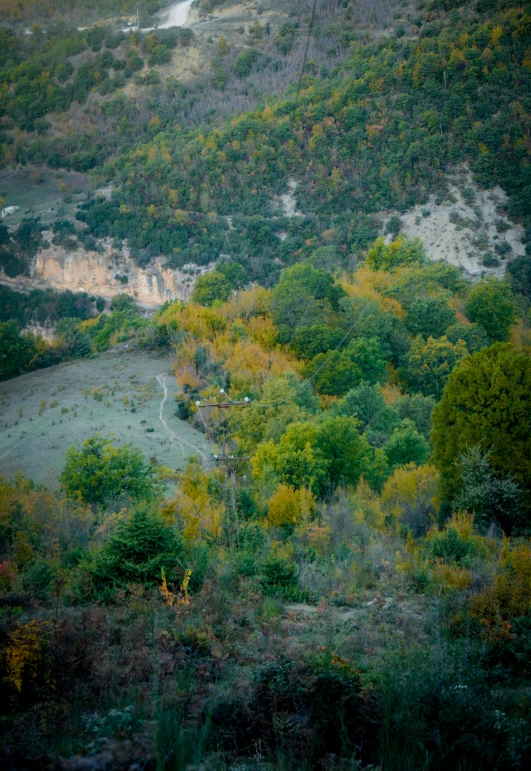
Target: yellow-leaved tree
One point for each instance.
(200, 516)
(24, 652)
(289, 506)
(410, 497)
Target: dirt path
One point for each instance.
(161, 379)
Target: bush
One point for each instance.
(159, 55)
(279, 574)
(308, 710)
(246, 62)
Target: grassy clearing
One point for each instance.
(41, 193)
(43, 413)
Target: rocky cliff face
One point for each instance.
(109, 272)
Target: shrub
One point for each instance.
(279, 574)
(311, 709)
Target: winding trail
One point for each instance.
(161, 379)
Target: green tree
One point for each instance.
(367, 405)
(74, 342)
(490, 498)
(343, 449)
(486, 403)
(315, 456)
(211, 287)
(519, 275)
(430, 363)
(141, 547)
(310, 341)
(429, 316)
(246, 62)
(220, 76)
(490, 303)
(336, 372)
(372, 321)
(159, 55)
(234, 273)
(295, 460)
(304, 296)
(401, 251)
(406, 445)
(17, 351)
(325, 258)
(98, 472)
(418, 408)
(123, 302)
(473, 335)
(223, 46)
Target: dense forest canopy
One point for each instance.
(376, 128)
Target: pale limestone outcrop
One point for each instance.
(99, 272)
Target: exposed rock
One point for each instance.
(39, 330)
(287, 203)
(470, 229)
(109, 272)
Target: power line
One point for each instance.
(309, 379)
(305, 57)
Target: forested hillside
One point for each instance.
(333, 570)
(355, 570)
(378, 127)
(30, 12)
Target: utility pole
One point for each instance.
(230, 462)
(137, 19)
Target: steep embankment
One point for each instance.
(105, 272)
